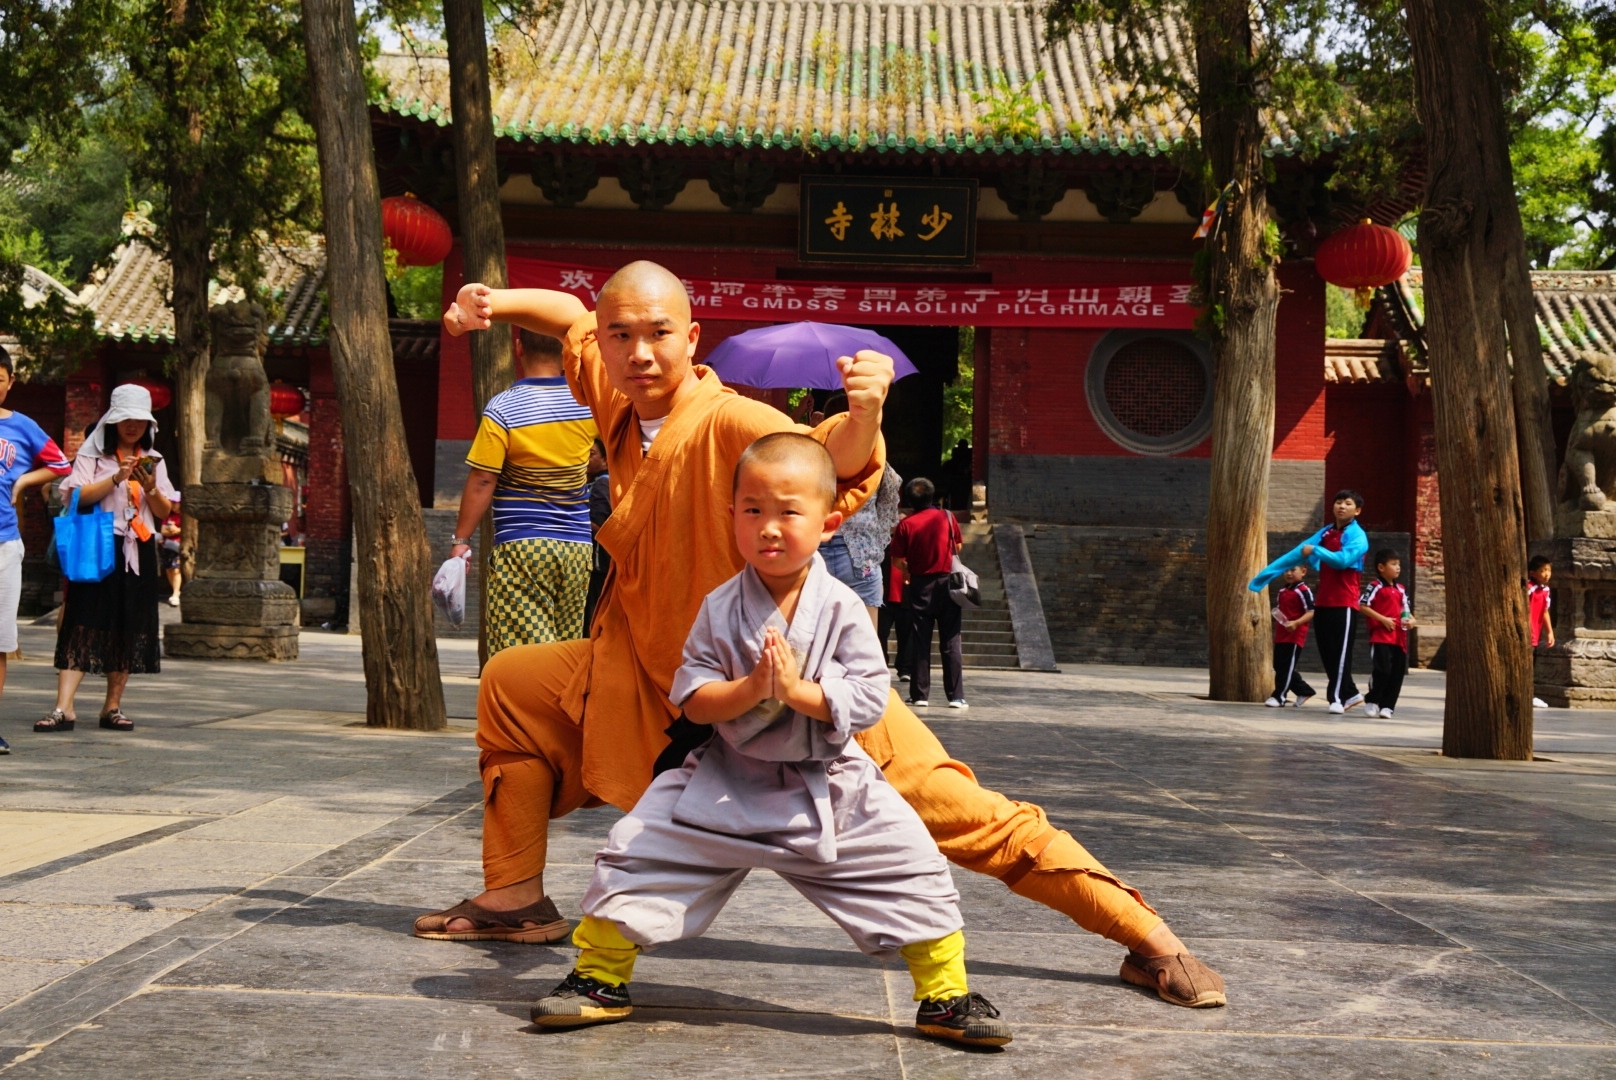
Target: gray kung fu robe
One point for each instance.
(780, 791)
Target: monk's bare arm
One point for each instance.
(477, 307)
(866, 377)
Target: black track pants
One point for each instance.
(1336, 627)
(1286, 676)
(1388, 664)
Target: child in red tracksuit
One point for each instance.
(1293, 610)
(1385, 605)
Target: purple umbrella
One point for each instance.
(798, 354)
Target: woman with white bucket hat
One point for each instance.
(109, 627)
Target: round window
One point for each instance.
(1151, 391)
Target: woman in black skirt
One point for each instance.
(109, 627)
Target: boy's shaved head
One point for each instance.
(791, 449)
(643, 281)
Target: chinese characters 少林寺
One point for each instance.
(937, 219)
(839, 220)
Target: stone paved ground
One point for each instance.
(1376, 910)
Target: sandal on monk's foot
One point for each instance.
(117, 721)
(496, 925)
(1189, 982)
(55, 720)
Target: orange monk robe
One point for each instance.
(671, 539)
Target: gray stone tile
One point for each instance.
(215, 855)
(1281, 988)
(1582, 979)
(1048, 1052)
(133, 887)
(1509, 924)
(20, 977)
(231, 1035)
(275, 824)
(54, 932)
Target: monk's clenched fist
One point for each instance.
(472, 309)
(866, 377)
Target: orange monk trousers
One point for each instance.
(532, 757)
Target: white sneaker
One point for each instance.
(958, 703)
(1385, 714)
(1274, 703)
(919, 704)
(1299, 702)
(1356, 699)
(174, 601)
(1539, 703)
(1371, 710)
(1337, 708)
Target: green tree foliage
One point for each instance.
(1562, 147)
(1342, 316)
(959, 396)
(216, 89)
(73, 194)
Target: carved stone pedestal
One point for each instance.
(237, 608)
(1580, 671)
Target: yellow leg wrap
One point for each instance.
(938, 967)
(607, 955)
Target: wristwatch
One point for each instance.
(455, 541)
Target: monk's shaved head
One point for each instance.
(645, 283)
(793, 451)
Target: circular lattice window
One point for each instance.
(1151, 391)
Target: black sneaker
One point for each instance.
(968, 1019)
(5, 747)
(579, 1001)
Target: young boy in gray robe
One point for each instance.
(782, 661)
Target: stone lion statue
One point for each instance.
(237, 389)
(1588, 478)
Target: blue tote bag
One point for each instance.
(85, 545)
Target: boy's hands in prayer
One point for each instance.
(775, 676)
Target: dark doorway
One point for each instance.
(913, 422)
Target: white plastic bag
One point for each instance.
(449, 588)
(963, 585)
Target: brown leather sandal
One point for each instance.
(496, 925)
(1190, 983)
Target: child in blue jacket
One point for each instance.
(1337, 552)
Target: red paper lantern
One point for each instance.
(160, 394)
(285, 400)
(417, 232)
(1363, 258)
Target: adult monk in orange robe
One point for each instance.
(581, 723)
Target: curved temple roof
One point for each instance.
(131, 304)
(894, 75)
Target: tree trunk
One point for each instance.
(1530, 382)
(1467, 247)
(1243, 289)
(403, 688)
(482, 232)
(190, 261)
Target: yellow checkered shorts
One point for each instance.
(536, 592)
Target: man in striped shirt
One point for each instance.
(528, 464)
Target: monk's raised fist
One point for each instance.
(472, 309)
(866, 376)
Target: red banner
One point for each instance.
(1155, 305)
